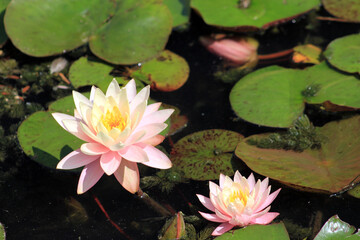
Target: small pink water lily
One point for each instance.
(238, 203)
(236, 51)
(120, 130)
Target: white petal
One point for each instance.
(131, 90)
(78, 97)
(113, 89)
(75, 159)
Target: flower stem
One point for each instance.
(152, 203)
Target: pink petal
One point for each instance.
(155, 140)
(93, 149)
(75, 159)
(110, 162)
(265, 219)
(150, 131)
(152, 108)
(131, 90)
(237, 177)
(128, 176)
(222, 228)
(251, 182)
(221, 180)
(141, 97)
(134, 153)
(268, 200)
(78, 98)
(211, 217)
(89, 176)
(72, 125)
(206, 202)
(156, 117)
(113, 89)
(264, 185)
(157, 159)
(213, 188)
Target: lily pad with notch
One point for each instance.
(167, 72)
(327, 169)
(120, 32)
(275, 231)
(335, 228)
(344, 53)
(275, 96)
(204, 155)
(251, 14)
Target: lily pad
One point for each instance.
(137, 32)
(44, 140)
(258, 14)
(355, 192)
(344, 53)
(3, 36)
(308, 54)
(167, 72)
(276, 96)
(85, 72)
(123, 32)
(335, 229)
(180, 10)
(275, 231)
(345, 9)
(2, 232)
(328, 169)
(204, 155)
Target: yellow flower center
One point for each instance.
(113, 119)
(234, 194)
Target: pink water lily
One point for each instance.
(236, 51)
(120, 130)
(241, 202)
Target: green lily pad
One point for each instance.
(63, 30)
(167, 72)
(44, 140)
(123, 32)
(355, 192)
(276, 96)
(180, 10)
(344, 53)
(85, 72)
(336, 229)
(204, 155)
(270, 96)
(258, 14)
(345, 9)
(137, 32)
(275, 231)
(3, 36)
(2, 232)
(327, 169)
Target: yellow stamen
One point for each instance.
(113, 119)
(234, 194)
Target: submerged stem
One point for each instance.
(152, 203)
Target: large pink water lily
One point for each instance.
(238, 203)
(120, 130)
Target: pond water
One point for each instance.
(41, 203)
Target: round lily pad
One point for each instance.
(44, 140)
(84, 72)
(180, 11)
(137, 32)
(204, 155)
(275, 96)
(53, 31)
(346, 9)
(275, 231)
(328, 169)
(257, 14)
(270, 96)
(3, 36)
(344, 53)
(167, 72)
(125, 32)
(335, 229)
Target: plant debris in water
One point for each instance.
(302, 135)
